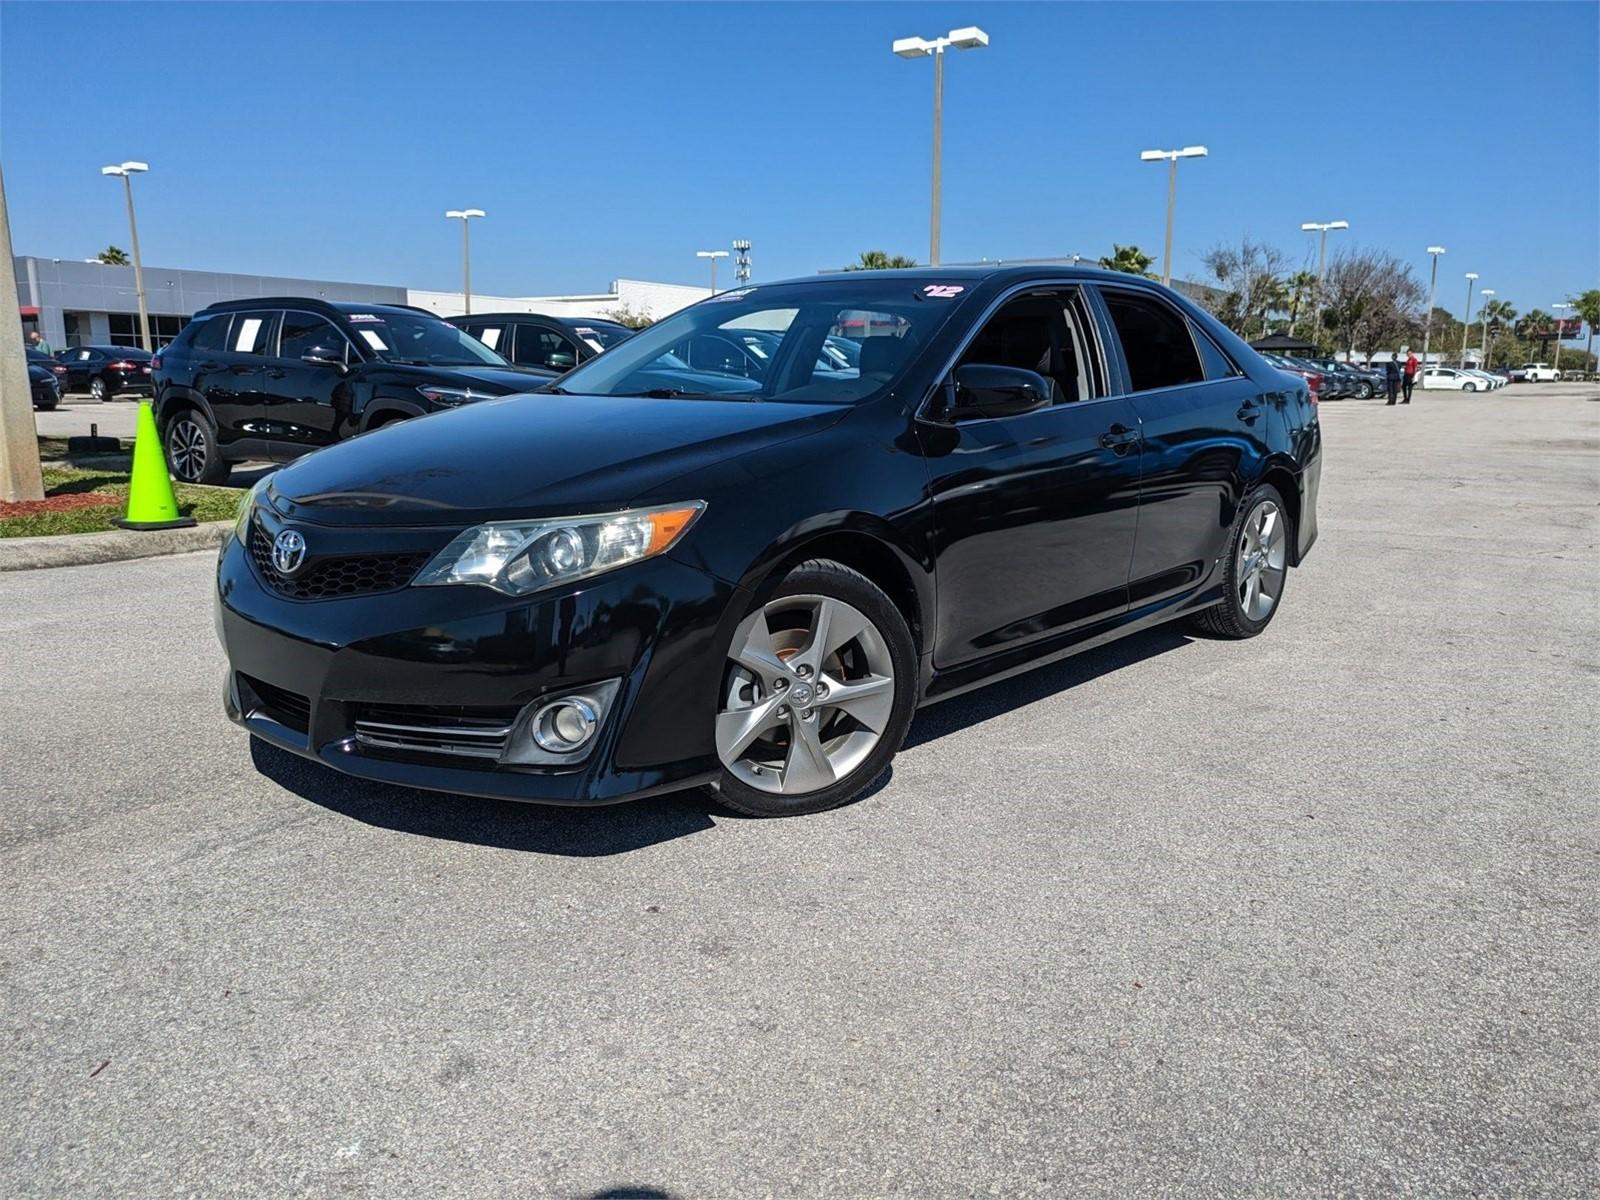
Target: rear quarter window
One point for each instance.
(210, 333)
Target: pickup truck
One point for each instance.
(1535, 373)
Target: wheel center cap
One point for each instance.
(800, 694)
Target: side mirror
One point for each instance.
(324, 356)
(987, 390)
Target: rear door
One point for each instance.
(1205, 426)
(494, 334)
(307, 402)
(232, 379)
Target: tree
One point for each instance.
(1130, 260)
(113, 256)
(1497, 313)
(1302, 285)
(1249, 285)
(1370, 300)
(1588, 307)
(633, 318)
(878, 260)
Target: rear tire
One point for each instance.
(1255, 571)
(98, 390)
(193, 455)
(1366, 391)
(804, 725)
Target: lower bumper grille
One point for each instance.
(451, 732)
(278, 704)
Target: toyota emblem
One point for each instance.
(288, 552)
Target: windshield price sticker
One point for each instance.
(942, 291)
(736, 294)
(364, 317)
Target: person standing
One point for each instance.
(1409, 375)
(36, 342)
(1391, 376)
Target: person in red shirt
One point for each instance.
(1409, 375)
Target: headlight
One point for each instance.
(517, 557)
(247, 506)
(451, 396)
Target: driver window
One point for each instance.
(1044, 332)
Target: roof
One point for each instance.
(310, 302)
(1282, 341)
(978, 273)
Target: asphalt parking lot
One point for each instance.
(1307, 915)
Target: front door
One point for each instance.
(307, 401)
(1035, 514)
(1204, 426)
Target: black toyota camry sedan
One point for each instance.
(654, 575)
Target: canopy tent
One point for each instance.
(1282, 343)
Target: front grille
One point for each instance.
(278, 704)
(435, 730)
(335, 577)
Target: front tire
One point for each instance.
(1471, 387)
(1366, 391)
(818, 693)
(1256, 569)
(193, 455)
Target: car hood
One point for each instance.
(533, 455)
(513, 379)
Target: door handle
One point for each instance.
(1119, 437)
(206, 366)
(1248, 412)
(274, 372)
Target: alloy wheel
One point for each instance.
(1262, 561)
(97, 389)
(810, 691)
(186, 447)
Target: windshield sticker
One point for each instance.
(585, 331)
(736, 294)
(373, 339)
(364, 317)
(490, 337)
(594, 345)
(942, 291)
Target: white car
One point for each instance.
(1536, 373)
(1452, 379)
(1491, 381)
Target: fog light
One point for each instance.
(565, 726)
(560, 730)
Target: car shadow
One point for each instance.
(606, 830)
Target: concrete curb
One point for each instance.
(81, 549)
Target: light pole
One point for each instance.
(968, 38)
(1466, 328)
(465, 215)
(1171, 157)
(713, 255)
(1483, 315)
(1322, 256)
(1555, 361)
(128, 170)
(741, 264)
(1427, 321)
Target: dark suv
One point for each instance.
(271, 379)
(545, 343)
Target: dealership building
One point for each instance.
(73, 303)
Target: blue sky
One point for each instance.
(614, 140)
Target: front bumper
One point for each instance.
(660, 627)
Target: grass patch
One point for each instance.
(194, 500)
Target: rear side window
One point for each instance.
(252, 332)
(211, 333)
(1156, 343)
(492, 336)
(1217, 364)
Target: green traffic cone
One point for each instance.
(151, 504)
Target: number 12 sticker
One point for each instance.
(942, 291)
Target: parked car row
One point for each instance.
(1461, 379)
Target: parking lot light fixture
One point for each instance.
(1555, 359)
(1483, 315)
(1466, 316)
(1171, 157)
(969, 37)
(127, 171)
(1322, 256)
(713, 255)
(1433, 283)
(465, 215)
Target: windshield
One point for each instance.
(828, 342)
(419, 340)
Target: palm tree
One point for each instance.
(1130, 260)
(1301, 285)
(1588, 307)
(113, 256)
(1273, 295)
(877, 260)
(1497, 312)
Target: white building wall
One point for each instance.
(656, 300)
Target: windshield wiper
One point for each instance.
(672, 393)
